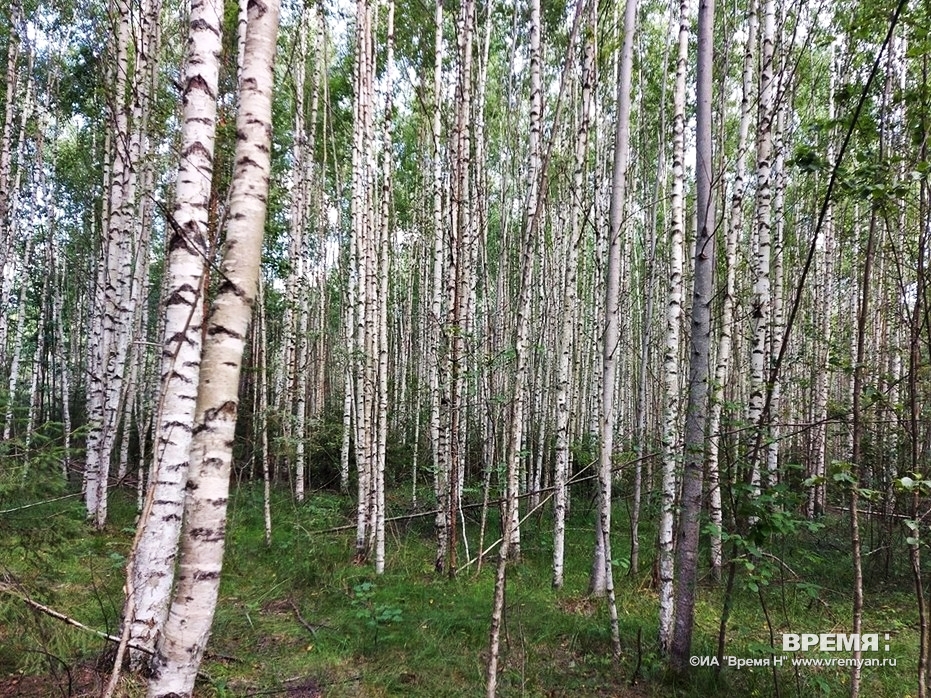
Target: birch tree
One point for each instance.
(530, 226)
(9, 143)
(6, 136)
(150, 571)
(184, 638)
(671, 438)
(824, 285)
(696, 415)
(762, 245)
(570, 296)
(510, 537)
(381, 317)
(295, 329)
(457, 285)
(725, 339)
(436, 356)
(116, 297)
(369, 292)
(601, 579)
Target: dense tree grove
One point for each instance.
(665, 258)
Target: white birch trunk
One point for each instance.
(184, 639)
(436, 305)
(295, 333)
(382, 296)
(826, 291)
(18, 339)
(762, 293)
(725, 340)
(602, 576)
(11, 228)
(696, 415)
(118, 299)
(671, 394)
(261, 335)
(777, 320)
(7, 146)
(564, 374)
(532, 224)
(152, 564)
(38, 358)
(61, 354)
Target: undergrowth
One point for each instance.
(300, 614)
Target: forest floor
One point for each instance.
(300, 619)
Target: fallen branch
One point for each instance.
(32, 603)
(311, 627)
(39, 503)
(218, 657)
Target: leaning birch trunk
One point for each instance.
(696, 415)
(184, 639)
(531, 226)
(671, 436)
(480, 198)
(151, 565)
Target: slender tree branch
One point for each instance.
(822, 215)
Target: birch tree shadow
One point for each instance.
(307, 689)
(75, 682)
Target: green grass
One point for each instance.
(431, 639)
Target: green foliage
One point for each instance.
(31, 469)
(914, 484)
(302, 608)
(374, 615)
(323, 452)
(49, 555)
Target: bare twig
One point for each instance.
(32, 603)
(312, 627)
(40, 503)
(781, 563)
